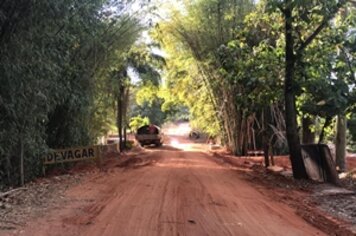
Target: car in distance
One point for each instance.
(149, 134)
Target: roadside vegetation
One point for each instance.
(60, 62)
(266, 76)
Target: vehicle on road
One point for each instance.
(149, 134)
(194, 134)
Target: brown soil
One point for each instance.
(330, 208)
(176, 191)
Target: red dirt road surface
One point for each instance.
(168, 192)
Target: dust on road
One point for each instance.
(171, 192)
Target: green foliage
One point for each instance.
(152, 111)
(149, 96)
(54, 61)
(148, 93)
(225, 65)
(233, 56)
(137, 122)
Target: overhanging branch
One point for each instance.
(322, 25)
(312, 37)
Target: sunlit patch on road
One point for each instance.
(183, 143)
(200, 166)
(184, 165)
(182, 129)
(175, 143)
(193, 147)
(181, 162)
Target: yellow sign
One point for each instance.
(73, 154)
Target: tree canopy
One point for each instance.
(261, 68)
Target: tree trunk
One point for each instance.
(340, 144)
(243, 135)
(119, 121)
(326, 124)
(308, 135)
(125, 105)
(22, 172)
(236, 132)
(270, 153)
(8, 169)
(232, 121)
(299, 171)
(265, 136)
(220, 31)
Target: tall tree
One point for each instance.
(296, 12)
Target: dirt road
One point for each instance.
(172, 192)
